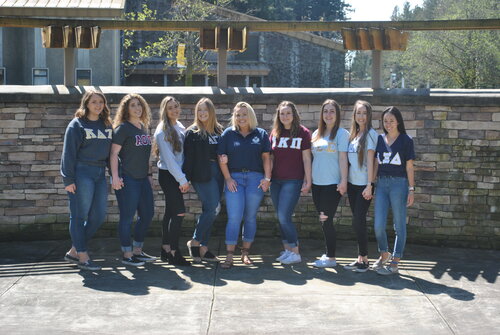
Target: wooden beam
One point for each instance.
(276, 26)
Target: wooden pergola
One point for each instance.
(260, 26)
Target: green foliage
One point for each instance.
(143, 46)
(449, 59)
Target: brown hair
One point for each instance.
(355, 129)
(82, 112)
(122, 114)
(321, 123)
(278, 126)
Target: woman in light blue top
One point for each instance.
(362, 143)
(329, 174)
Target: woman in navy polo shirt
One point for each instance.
(395, 187)
(247, 173)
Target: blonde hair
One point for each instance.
(250, 112)
(171, 134)
(355, 129)
(83, 112)
(122, 114)
(212, 126)
(321, 123)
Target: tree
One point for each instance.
(454, 59)
(163, 45)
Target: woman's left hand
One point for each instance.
(342, 187)
(306, 187)
(264, 185)
(367, 192)
(411, 199)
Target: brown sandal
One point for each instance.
(245, 259)
(228, 262)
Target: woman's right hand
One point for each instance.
(71, 188)
(231, 185)
(223, 159)
(184, 188)
(117, 183)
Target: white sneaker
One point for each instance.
(325, 262)
(217, 209)
(292, 259)
(283, 255)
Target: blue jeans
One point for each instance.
(285, 195)
(391, 192)
(135, 196)
(88, 205)
(243, 204)
(209, 194)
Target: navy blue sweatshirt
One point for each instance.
(87, 142)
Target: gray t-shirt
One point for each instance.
(358, 175)
(136, 150)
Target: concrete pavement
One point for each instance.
(439, 291)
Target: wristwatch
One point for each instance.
(411, 188)
(267, 179)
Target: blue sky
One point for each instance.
(376, 10)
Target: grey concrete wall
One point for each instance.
(456, 133)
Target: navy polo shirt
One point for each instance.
(244, 152)
(392, 159)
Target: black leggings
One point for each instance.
(326, 198)
(174, 205)
(359, 208)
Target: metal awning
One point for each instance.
(62, 8)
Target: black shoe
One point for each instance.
(145, 257)
(194, 252)
(209, 257)
(362, 267)
(71, 259)
(177, 259)
(165, 256)
(89, 265)
(132, 261)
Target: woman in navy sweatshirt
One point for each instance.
(87, 143)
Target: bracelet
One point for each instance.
(267, 179)
(150, 175)
(411, 189)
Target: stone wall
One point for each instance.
(457, 137)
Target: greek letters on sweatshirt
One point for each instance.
(86, 142)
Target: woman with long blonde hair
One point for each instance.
(203, 171)
(131, 176)
(169, 147)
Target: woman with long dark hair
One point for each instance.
(291, 173)
(394, 154)
(85, 154)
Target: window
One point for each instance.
(40, 76)
(83, 77)
(3, 78)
